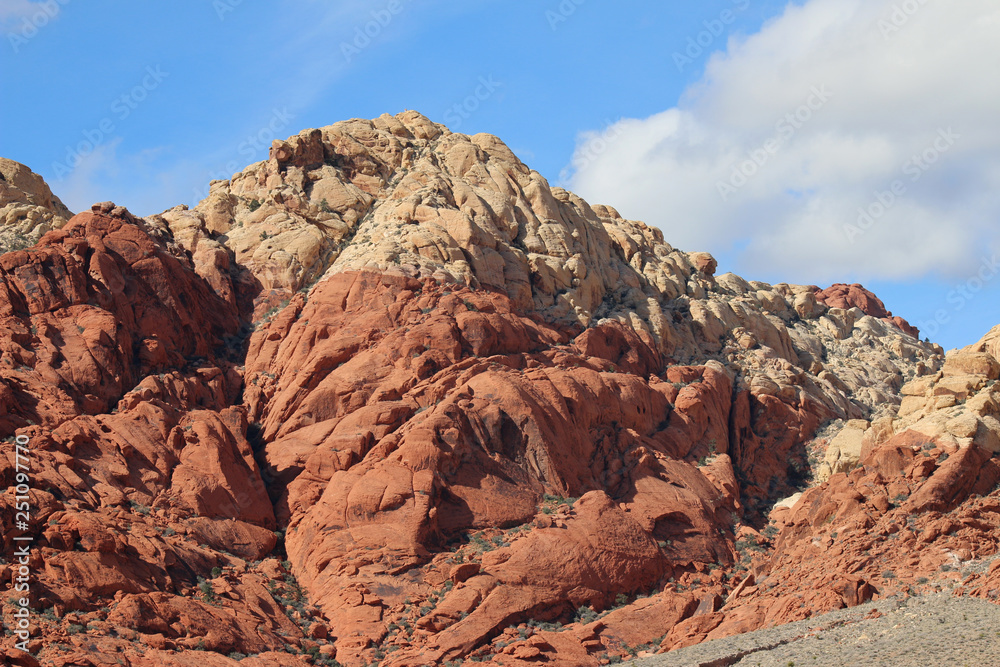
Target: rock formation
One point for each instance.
(389, 398)
(920, 500)
(850, 296)
(28, 208)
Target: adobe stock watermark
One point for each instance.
(596, 145)
(463, 110)
(370, 30)
(251, 148)
(915, 167)
(32, 25)
(223, 7)
(21, 576)
(562, 12)
(121, 108)
(714, 28)
(899, 17)
(963, 294)
(785, 129)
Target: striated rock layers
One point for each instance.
(388, 398)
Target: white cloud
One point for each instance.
(17, 9)
(884, 85)
(13, 14)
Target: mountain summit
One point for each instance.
(389, 398)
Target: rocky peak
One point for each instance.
(402, 195)
(28, 208)
(473, 405)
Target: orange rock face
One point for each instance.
(902, 522)
(93, 309)
(115, 368)
(442, 465)
(501, 425)
(406, 416)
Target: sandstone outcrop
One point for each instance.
(855, 296)
(403, 194)
(115, 368)
(389, 398)
(28, 208)
(920, 500)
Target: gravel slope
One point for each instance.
(937, 629)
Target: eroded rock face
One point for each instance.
(90, 311)
(116, 371)
(406, 415)
(920, 500)
(472, 407)
(419, 414)
(403, 194)
(406, 196)
(28, 208)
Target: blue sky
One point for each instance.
(163, 97)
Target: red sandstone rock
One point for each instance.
(447, 464)
(870, 533)
(395, 475)
(91, 310)
(398, 417)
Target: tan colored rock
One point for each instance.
(704, 263)
(946, 400)
(911, 405)
(965, 426)
(838, 322)
(807, 306)
(844, 452)
(28, 208)
(919, 387)
(965, 363)
(988, 434)
(959, 386)
(834, 380)
(985, 403)
(990, 343)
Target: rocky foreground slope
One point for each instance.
(388, 398)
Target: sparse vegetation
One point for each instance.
(12, 241)
(206, 590)
(585, 615)
(139, 508)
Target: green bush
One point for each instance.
(585, 615)
(206, 589)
